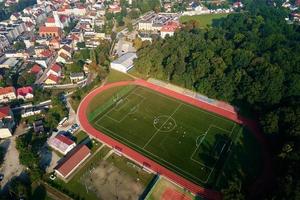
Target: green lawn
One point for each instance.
(190, 141)
(80, 136)
(203, 20)
(115, 76)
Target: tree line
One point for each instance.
(250, 59)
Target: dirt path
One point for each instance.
(11, 166)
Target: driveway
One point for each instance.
(11, 166)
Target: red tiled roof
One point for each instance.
(6, 90)
(49, 29)
(53, 78)
(67, 48)
(64, 139)
(4, 112)
(55, 40)
(24, 91)
(46, 53)
(36, 69)
(73, 160)
(50, 20)
(63, 18)
(170, 27)
(56, 67)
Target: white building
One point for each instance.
(124, 63)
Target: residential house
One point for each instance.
(7, 94)
(37, 70)
(61, 143)
(73, 160)
(54, 43)
(52, 80)
(38, 126)
(75, 77)
(6, 122)
(25, 93)
(66, 50)
(169, 29)
(14, 16)
(30, 111)
(63, 58)
(4, 43)
(55, 70)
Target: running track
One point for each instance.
(209, 194)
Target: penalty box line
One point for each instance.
(218, 158)
(110, 109)
(129, 111)
(222, 153)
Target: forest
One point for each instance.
(252, 60)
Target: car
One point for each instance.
(70, 130)
(1, 177)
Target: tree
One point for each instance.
(80, 45)
(19, 189)
(19, 45)
(233, 191)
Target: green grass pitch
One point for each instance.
(185, 139)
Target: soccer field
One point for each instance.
(185, 139)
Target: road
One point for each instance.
(42, 78)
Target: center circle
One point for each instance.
(164, 123)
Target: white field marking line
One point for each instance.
(166, 131)
(190, 105)
(185, 103)
(124, 101)
(162, 125)
(217, 159)
(111, 108)
(230, 152)
(182, 173)
(129, 111)
(220, 156)
(197, 146)
(217, 127)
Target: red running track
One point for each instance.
(83, 120)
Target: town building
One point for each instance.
(6, 122)
(75, 77)
(72, 161)
(37, 70)
(25, 93)
(61, 143)
(52, 80)
(169, 29)
(45, 31)
(124, 63)
(7, 94)
(55, 70)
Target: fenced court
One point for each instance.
(179, 136)
(166, 190)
